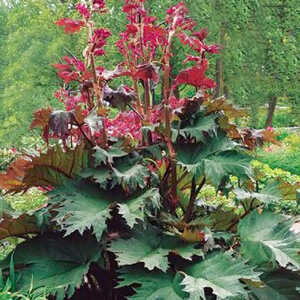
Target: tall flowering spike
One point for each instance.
(70, 25)
(142, 37)
(134, 10)
(129, 123)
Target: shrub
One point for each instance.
(123, 218)
(265, 175)
(286, 157)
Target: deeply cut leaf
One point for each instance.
(215, 159)
(221, 273)
(82, 206)
(151, 247)
(200, 126)
(267, 238)
(269, 194)
(130, 173)
(106, 156)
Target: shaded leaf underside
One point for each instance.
(57, 264)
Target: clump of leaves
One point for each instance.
(123, 218)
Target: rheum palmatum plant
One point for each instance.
(124, 219)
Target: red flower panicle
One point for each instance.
(83, 10)
(99, 40)
(98, 4)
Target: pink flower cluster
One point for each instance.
(129, 123)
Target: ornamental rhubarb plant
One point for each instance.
(123, 172)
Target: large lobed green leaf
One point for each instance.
(107, 156)
(221, 273)
(202, 124)
(215, 159)
(152, 248)
(271, 193)
(130, 173)
(266, 239)
(153, 285)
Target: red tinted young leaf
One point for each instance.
(69, 71)
(215, 49)
(253, 138)
(221, 105)
(70, 25)
(59, 123)
(231, 129)
(12, 179)
(195, 76)
(22, 225)
(269, 135)
(41, 118)
(44, 169)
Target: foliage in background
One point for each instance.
(124, 216)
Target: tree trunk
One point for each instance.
(271, 110)
(219, 78)
(220, 88)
